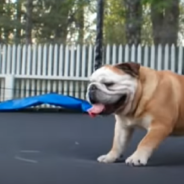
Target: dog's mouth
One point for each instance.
(99, 108)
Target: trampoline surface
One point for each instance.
(61, 148)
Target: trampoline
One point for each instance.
(61, 148)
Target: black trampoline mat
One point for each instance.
(58, 148)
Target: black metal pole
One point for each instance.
(99, 34)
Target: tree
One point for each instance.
(114, 22)
(2, 3)
(165, 21)
(73, 21)
(29, 24)
(133, 17)
(6, 22)
(52, 20)
(79, 20)
(17, 19)
(123, 21)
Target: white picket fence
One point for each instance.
(40, 69)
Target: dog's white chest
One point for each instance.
(143, 123)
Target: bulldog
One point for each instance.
(141, 97)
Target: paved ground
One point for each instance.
(51, 148)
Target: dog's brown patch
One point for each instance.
(114, 69)
(129, 68)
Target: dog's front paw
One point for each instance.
(107, 158)
(137, 159)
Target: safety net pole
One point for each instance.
(99, 35)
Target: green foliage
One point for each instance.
(114, 22)
(51, 20)
(74, 21)
(146, 33)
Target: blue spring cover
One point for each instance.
(63, 101)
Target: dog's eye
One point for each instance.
(108, 84)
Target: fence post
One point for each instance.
(9, 85)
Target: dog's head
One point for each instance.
(113, 87)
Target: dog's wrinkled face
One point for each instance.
(113, 87)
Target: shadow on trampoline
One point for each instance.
(168, 160)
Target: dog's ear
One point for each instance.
(129, 68)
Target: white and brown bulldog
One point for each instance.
(138, 97)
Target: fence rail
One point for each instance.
(39, 69)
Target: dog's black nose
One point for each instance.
(92, 91)
(93, 87)
(92, 97)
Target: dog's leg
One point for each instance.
(148, 144)
(121, 138)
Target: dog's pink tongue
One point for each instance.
(96, 109)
